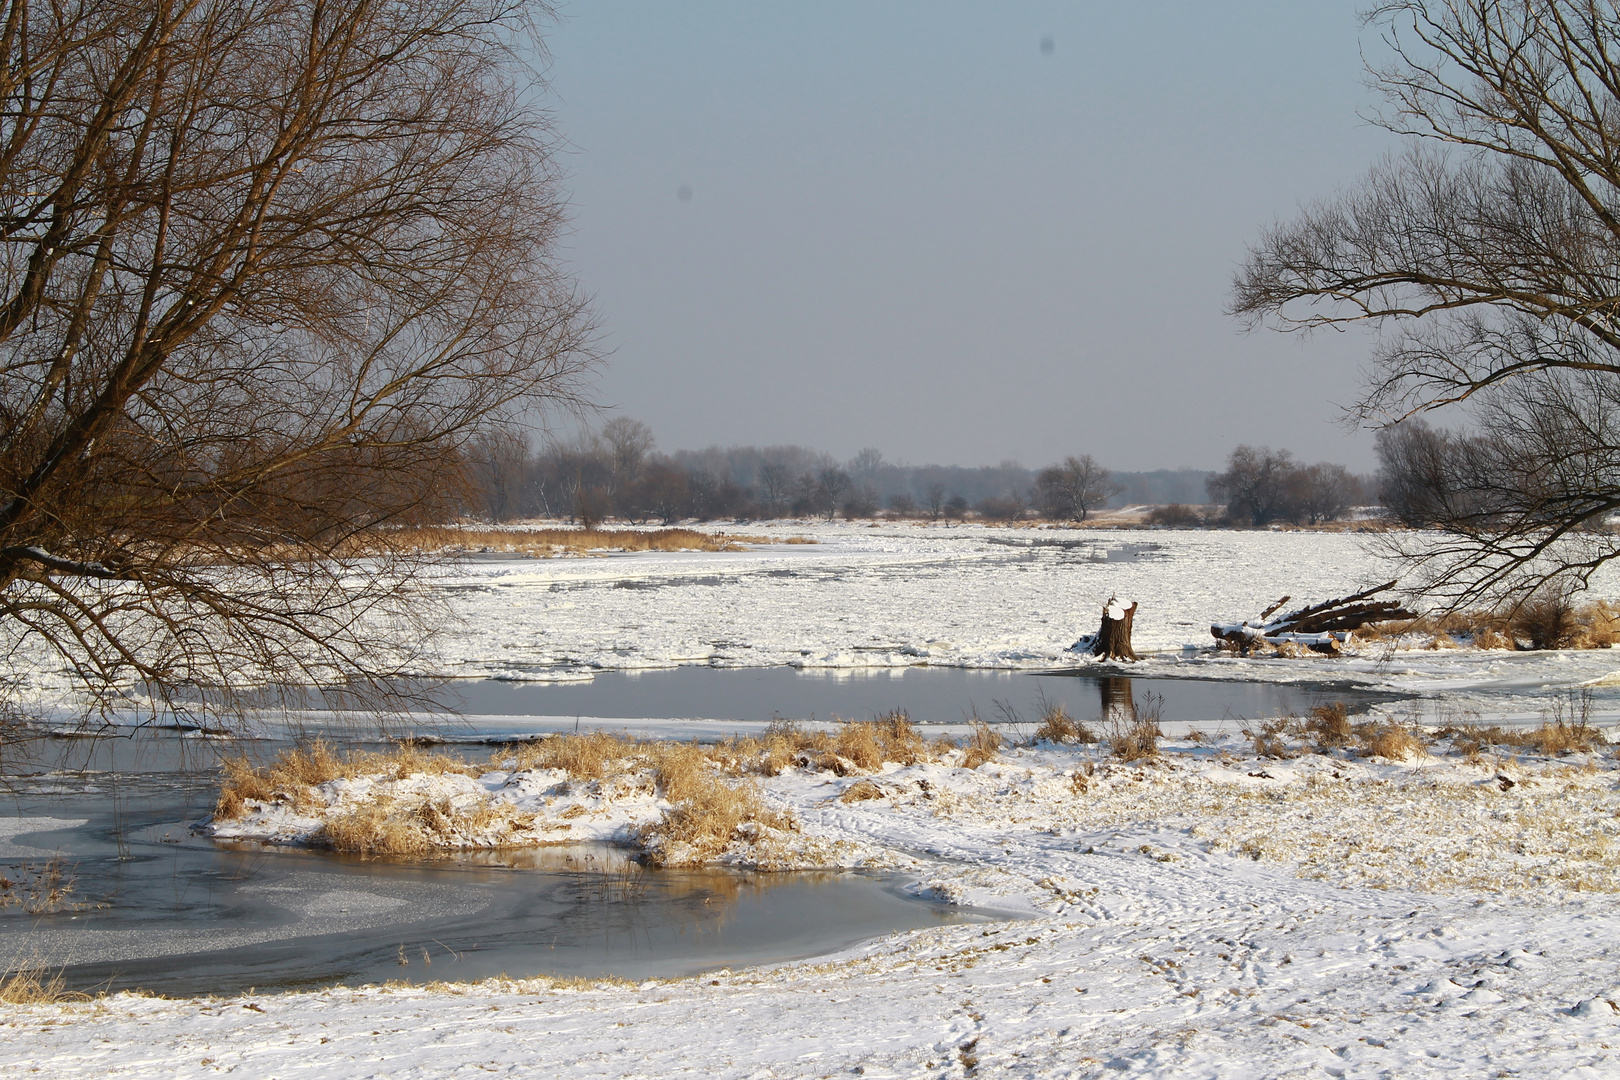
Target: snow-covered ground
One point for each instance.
(880, 596)
(1214, 915)
(1218, 915)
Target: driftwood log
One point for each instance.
(1322, 627)
(1113, 637)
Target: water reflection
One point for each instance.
(1118, 702)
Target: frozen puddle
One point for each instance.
(185, 916)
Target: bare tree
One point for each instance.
(864, 466)
(1255, 485)
(861, 502)
(265, 270)
(1490, 261)
(935, 499)
(831, 484)
(498, 463)
(1321, 492)
(627, 442)
(775, 482)
(1073, 488)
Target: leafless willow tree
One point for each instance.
(1073, 488)
(1489, 254)
(267, 267)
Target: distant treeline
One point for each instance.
(618, 472)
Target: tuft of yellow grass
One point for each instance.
(586, 756)
(983, 745)
(1554, 738)
(1057, 726)
(707, 813)
(1331, 726)
(1392, 741)
(1543, 622)
(294, 774)
(35, 986)
(861, 791)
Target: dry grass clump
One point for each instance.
(861, 791)
(1331, 726)
(1392, 741)
(1553, 739)
(294, 774)
(708, 813)
(584, 756)
(33, 986)
(1560, 737)
(784, 744)
(856, 750)
(550, 541)
(1134, 734)
(891, 737)
(1549, 621)
(1057, 726)
(1270, 741)
(857, 746)
(377, 827)
(984, 745)
(415, 826)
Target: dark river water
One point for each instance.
(153, 906)
(928, 696)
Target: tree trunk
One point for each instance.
(1321, 627)
(1114, 635)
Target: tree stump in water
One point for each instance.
(1114, 635)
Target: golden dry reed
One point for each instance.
(709, 807)
(571, 541)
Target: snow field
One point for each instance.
(1214, 914)
(880, 597)
(1147, 936)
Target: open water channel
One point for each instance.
(153, 905)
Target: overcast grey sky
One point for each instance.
(960, 233)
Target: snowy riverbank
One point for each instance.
(1215, 914)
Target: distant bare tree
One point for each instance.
(498, 463)
(831, 485)
(662, 492)
(864, 466)
(861, 502)
(1255, 485)
(775, 481)
(934, 498)
(903, 505)
(628, 443)
(1487, 255)
(1073, 488)
(266, 270)
(1321, 492)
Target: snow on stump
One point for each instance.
(1113, 640)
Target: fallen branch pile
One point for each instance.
(1321, 627)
